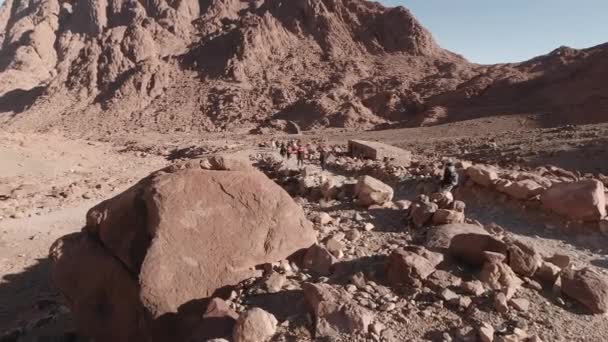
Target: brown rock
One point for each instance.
(94, 285)
(319, 260)
(587, 287)
(523, 259)
(485, 333)
(334, 312)
(154, 231)
(445, 216)
(483, 175)
(165, 237)
(520, 304)
(582, 200)
(561, 260)
(459, 206)
(474, 287)
(218, 321)
(254, 325)
(470, 248)
(523, 189)
(547, 273)
(274, 282)
(408, 268)
(493, 257)
(500, 302)
(441, 237)
(370, 191)
(422, 213)
(335, 247)
(500, 277)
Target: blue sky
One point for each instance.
(495, 31)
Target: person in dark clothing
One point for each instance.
(323, 156)
(450, 178)
(283, 150)
(301, 154)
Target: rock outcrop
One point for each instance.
(174, 238)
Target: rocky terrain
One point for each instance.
(141, 198)
(98, 66)
(509, 259)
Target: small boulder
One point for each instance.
(408, 268)
(255, 325)
(470, 248)
(547, 273)
(319, 260)
(582, 200)
(500, 277)
(520, 304)
(523, 259)
(274, 282)
(473, 287)
(483, 175)
(500, 302)
(485, 333)
(370, 191)
(523, 189)
(323, 218)
(440, 237)
(335, 247)
(588, 287)
(334, 312)
(560, 260)
(445, 216)
(422, 212)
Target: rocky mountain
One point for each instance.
(212, 65)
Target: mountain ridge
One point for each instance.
(214, 65)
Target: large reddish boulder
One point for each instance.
(582, 200)
(588, 287)
(179, 235)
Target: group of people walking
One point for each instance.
(303, 152)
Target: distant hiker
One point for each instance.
(283, 150)
(301, 153)
(450, 178)
(323, 153)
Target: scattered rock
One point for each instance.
(421, 212)
(500, 302)
(319, 260)
(523, 259)
(274, 282)
(323, 218)
(371, 191)
(520, 304)
(408, 268)
(445, 216)
(335, 247)
(547, 273)
(483, 175)
(587, 287)
(499, 276)
(485, 333)
(255, 325)
(470, 248)
(561, 260)
(474, 287)
(334, 313)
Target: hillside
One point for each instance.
(214, 65)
